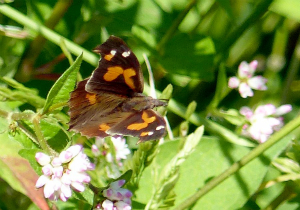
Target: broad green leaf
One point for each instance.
(287, 8)
(29, 154)
(210, 158)
(189, 56)
(54, 134)
(60, 91)
(167, 179)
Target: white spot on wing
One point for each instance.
(113, 52)
(150, 133)
(159, 127)
(126, 54)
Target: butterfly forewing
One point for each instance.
(118, 71)
(111, 102)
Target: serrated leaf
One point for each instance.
(60, 91)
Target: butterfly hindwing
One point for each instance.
(145, 125)
(118, 71)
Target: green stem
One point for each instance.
(292, 125)
(293, 70)
(175, 25)
(39, 134)
(258, 12)
(38, 43)
(48, 34)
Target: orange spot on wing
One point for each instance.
(139, 126)
(108, 57)
(128, 73)
(112, 73)
(103, 127)
(91, 97)
(144, 134)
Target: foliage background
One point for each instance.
(192, 45)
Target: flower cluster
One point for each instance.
(63, 172)
(263, 121)
(117, 198)
(121, 153)
(245, 80)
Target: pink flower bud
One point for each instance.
(78, 186)
(56, 162)
(42, 158)
(47, 170)
(42, 181)
(58, 171)
(75, 149)
(108, 205)
(122, 205)
(65, 156)
(283, 109)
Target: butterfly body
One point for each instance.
(111, 102)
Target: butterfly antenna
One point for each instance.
(151, 78)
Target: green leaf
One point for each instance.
(87, 195)
(287, 8)
(54, 134)
(233, 116)
(190, 109)
(29, 154)
(169, 175)
(189, 56)
(60, 91)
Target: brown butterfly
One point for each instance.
(111, 102)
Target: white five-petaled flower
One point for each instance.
(117, 198)
(64, 172)
(245, 80)
(263, 121)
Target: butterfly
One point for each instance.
(111, 101)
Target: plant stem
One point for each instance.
(175, 25)
(292, 125)
(38, 43)
(39, 134)
(48, 34)
(260, 9)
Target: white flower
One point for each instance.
(63, 172)
(263, 121)
(245, 80)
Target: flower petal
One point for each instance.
(245, 90)
(233, 82)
